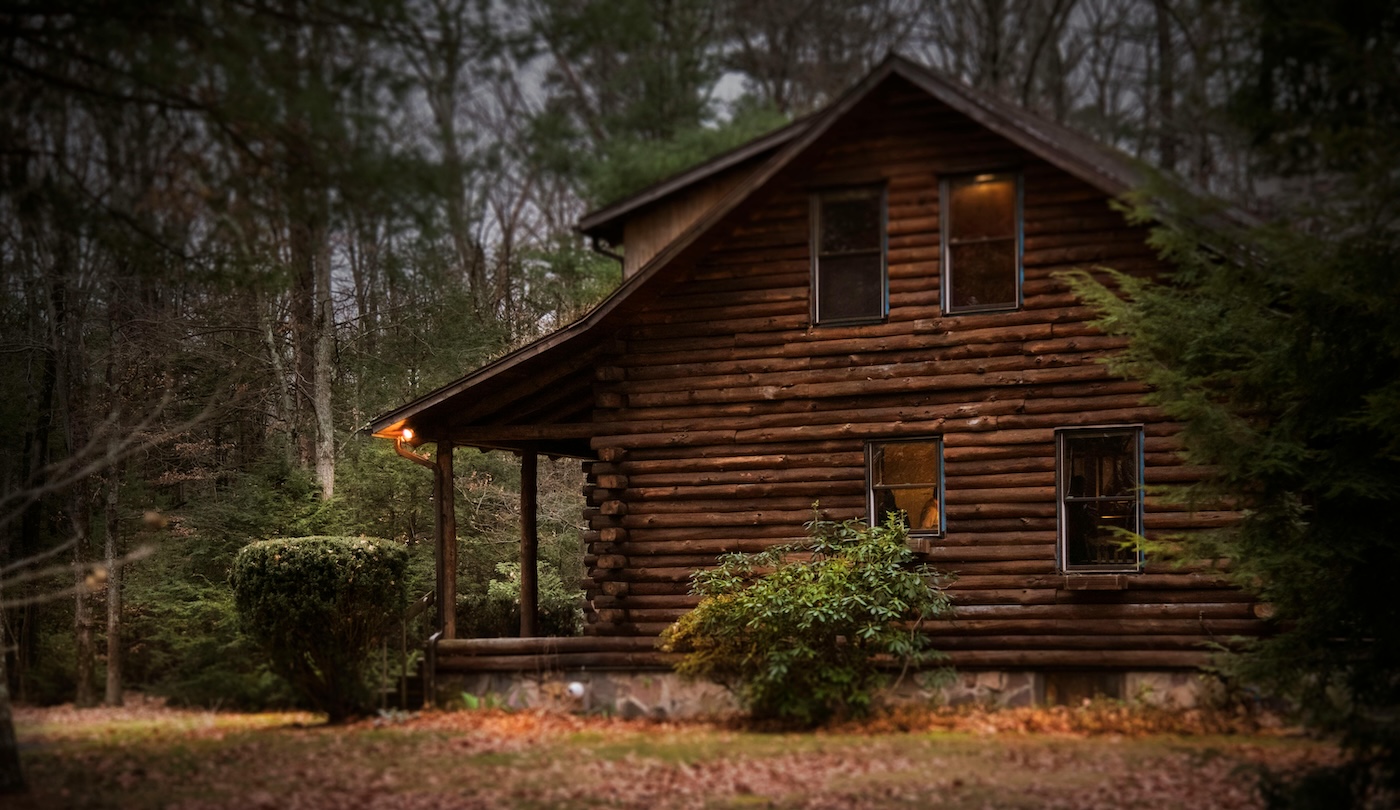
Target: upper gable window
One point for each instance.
(848, 256)
(981, 216)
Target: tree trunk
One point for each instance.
(11, 775)
(324, 358)
(1166, 88)
(85, 694)
(113, 696)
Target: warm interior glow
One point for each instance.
(984, 178)
(407, 434)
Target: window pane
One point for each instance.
(1101, 466)
(906, 463)
(1090, 536)
(850, 287)
(850, 224)
(918, 507)
(983, 274)
(982, 210)
(904, 476)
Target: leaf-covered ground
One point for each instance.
(1099, 756)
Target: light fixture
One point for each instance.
(406, 435)
(984, 178)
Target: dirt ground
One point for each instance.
(1095, 756)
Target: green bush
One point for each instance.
(496, 613)
(185, 644)
(805, 641)
(317, 606)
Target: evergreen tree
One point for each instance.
(1279, 350)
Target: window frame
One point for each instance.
(945, 220)
(939, 488)
(1063, 499)
(879, 191)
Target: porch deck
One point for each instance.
(547, 654)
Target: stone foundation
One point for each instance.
(664, 695)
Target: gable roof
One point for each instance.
(490, 407)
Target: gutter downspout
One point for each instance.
(412, 456)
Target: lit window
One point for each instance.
(981, 219)
(848, 256)
(905, 478)
(1099, 478)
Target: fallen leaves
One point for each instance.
(1086, 757)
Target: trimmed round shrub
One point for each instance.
(318, 606)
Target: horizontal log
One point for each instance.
(667, 614)
(541, 645)
(957, 512)
(698, 546)
(962, 595)
(656, 589)
(1029, 400)
(1035, 481)
(677, 505)
(779, 517)
(1164, 581)
(769, 476)
(765, 461)
(865, 420)
(943, 556)
(676, 560)
(772, 372)
(1067, 612)
(961, 538)
(686, 601)
(807, 490)
(1220, 628)
(976, 525)
(558, 661)
(737, 534)
(1008, 493)
(1066, 642)
(682, 574)
(711, 451)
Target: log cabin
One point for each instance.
(861, 309)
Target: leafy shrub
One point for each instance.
(496, 613)
(805, 641)
(317, 606)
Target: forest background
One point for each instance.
(232, 232)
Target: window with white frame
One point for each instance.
(1099, 479)
(849, 282)
(980, 217)
(904, 477)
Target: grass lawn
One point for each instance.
(148, 756)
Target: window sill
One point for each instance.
(1094, 582)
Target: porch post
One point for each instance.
(529, 545)
(444, 495)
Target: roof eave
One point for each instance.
(608, 219)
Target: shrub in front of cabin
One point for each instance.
(317, 606)
(805, 633)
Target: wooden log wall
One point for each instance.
(728, 414)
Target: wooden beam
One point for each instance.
(529, 545)
(444, 497)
